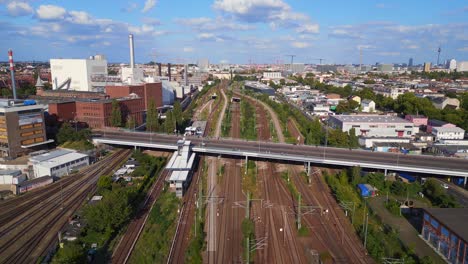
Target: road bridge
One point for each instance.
(294, 153)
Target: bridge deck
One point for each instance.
(296, 153)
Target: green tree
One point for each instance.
(116, 114)
(104, 183)
(177, 112)
(169, 123)
(131, 122)
(152, 120)
(353, 139)
(71, 253)
(66, 133)
(110, 213)
(355, 173)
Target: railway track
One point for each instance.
(182, 235)
(124, 248)
(33, 237)
(23, 202)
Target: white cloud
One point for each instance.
(276, 13)
(464, 49)
(50, 12)
(188, 49)
(388, 53)
(80, 17)
(300, 44)
(149, 4)
(208, 24)
(308, 28)
(365, 47)
(412, 46)
(130, 7)
(19, 9)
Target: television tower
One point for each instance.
(438, 54)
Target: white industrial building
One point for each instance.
(76, 74)
(462, 66)
(180, 165)
(452, 65)
(9, 177)
(441, 133)
(272, 75)
(58, 163)
(374, 125)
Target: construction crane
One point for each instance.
(292, 61)
(292, 58)
(319, 59)
(438, 54)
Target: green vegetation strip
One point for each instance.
(105, 219)
(197, 234)
(155, 241)
(249, 179)
(247, 121)
(382, 240)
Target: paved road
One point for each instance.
(454, 165)
(460, 194)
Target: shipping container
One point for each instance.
(406, 177)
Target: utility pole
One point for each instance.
(365, 232)
(299, 210)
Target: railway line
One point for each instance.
(124, 248)
(182, 236)
(227, 244)
(36, 232)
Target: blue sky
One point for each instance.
(236, 31)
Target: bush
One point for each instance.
(71, 253)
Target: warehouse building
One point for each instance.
(22, 127)
(444, 229)
(374, 125)
(58, 163)
(8, 177)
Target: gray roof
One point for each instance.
(370, 119)
(50, 155)
(454, 219)
(10, 172)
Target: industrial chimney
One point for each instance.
(12, 71)
(169, 71)
(186, 74)
(132, 51)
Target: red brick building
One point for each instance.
(147, 91)
(97, 113)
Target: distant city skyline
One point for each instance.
(236, 31)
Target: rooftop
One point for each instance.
(448, 129)
(51, 163)
(453, 218)
(50, 155)
(370, 119)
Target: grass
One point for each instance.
(382, 240)
(155, 241)
(247, 121)
(226, 124)
(249, 179)
(78, 145)
(197, 235)
(290, 185)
